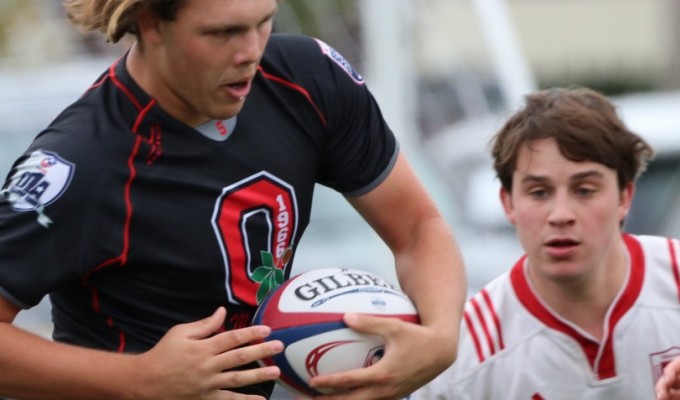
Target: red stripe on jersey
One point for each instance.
(154, 137)
(123, 88)
(533, 305)
(99, 83)
(297, 88)
(485, 328)
(674, 265)
(121, 341)
(120, 259)
(143, 110)
(605, 366)
(473, 335)
(154, 140)
(95, 300)
(496, 320)
(128, 201)
(142, 114)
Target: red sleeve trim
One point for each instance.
(297, 88)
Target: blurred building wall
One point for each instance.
(563, 39)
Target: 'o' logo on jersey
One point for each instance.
(39, 180)
(341, 61)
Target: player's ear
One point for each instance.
(506, 200)
(149, 27)
(626, 200)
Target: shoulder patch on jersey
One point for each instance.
(341, 61)
(39, 180)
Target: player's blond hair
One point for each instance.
(116, 18)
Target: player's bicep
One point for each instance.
(397, 206)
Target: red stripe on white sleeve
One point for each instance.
(672, 245)
(496, 320)
(474, 336)
(485, 328)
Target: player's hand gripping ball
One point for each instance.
(305, 313)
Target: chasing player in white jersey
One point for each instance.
(589, 312)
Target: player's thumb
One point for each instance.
(208, 326)
(367, 323)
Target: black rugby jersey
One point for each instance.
(134, 222)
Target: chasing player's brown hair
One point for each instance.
(585, 125)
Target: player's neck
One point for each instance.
(585, 302)
(143, 70)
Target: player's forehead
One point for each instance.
(228, 7)
(543, 162)
(225, 14)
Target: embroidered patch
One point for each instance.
(341, 61)
(661, 359)
(38, 181)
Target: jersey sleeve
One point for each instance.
(446, 386)
(52, 215)
(467, 377)
(361, 141)
(359, 148)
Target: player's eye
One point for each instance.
(584, 191)
(538, 193)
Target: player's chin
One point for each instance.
(225, 109)
(227, 112)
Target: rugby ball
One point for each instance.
(306, 314)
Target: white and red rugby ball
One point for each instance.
(306, 312)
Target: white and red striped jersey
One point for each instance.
(513, 346)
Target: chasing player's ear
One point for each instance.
(626, 201)
(506, 201)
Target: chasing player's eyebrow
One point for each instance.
(579, 177)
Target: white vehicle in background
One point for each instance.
(656, 205)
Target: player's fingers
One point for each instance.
(667, 384)
(228, 340)
(247, 354)
(344, 382)
(661, 389)
(229, 395)
(371, 324)
(236, 379)
(361, 393)
(202, 328)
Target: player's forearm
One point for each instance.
(431, 272)
(36, 368)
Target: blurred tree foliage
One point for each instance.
(313, 17)
(334, 21)
(9, 9)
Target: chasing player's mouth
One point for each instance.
(560, 248)
(561, 243)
